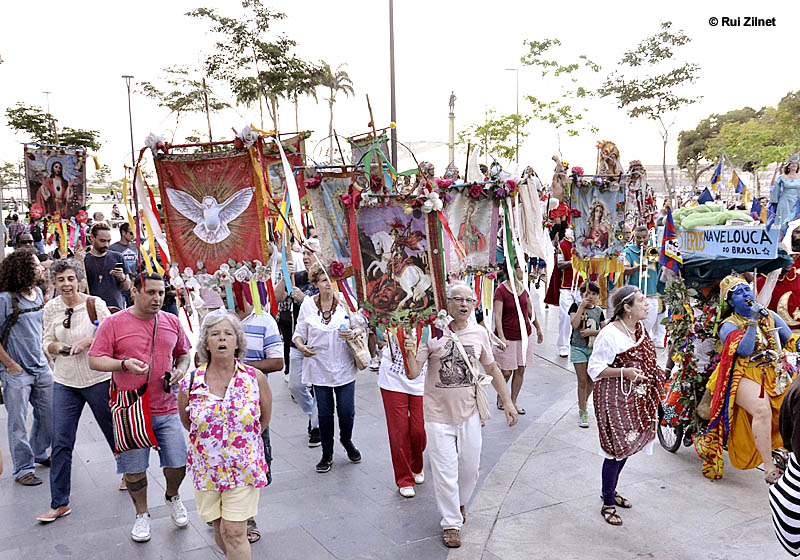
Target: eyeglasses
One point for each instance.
(461, 300)
(68, 321)
(25, 242)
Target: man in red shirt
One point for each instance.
(568, 294)
(131, 343)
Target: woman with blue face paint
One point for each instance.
(748, 385)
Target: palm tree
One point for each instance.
(335, 81)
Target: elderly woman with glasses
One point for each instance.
(450, 405)
(70, 321)
(225, 405)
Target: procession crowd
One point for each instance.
(92, 328)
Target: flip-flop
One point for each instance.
(500, 405)
(521, 411)
(253, 534)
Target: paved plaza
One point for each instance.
(538, 496)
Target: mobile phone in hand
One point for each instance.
(65, 351)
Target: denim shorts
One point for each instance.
(579, 354)
(172, 447)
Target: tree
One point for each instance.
(41, 127)
(693, 154)
(100, 178)
(569, 80)
(336, 81)
(653, 95)
(255, 67)
(10, 174)
(495, 134)
(187, 95)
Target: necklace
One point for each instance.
(627, 330)
(326, 315)
(102, 268)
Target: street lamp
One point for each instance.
(516, 71)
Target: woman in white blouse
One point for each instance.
(70, 321)
(627, 390)
(322, 329)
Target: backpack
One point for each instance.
(36, 232)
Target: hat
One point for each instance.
(728, 283)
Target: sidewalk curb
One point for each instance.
(498, 479)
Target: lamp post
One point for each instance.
(393, 131)
(516, 124)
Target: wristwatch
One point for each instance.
(122, 364)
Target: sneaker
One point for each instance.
(324, 464)
(180, 517)
(375, 363)
(141, 528)
(563, 352)
(352, 452)
(419, 478)
(314, 439)
(583, 419)
(407, 492)
(54, 514)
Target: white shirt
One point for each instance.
(332, 364)
(392, 373)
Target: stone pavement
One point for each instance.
(537, 496)
(352, 512)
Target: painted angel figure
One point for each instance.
(211, 218)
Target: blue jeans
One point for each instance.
(18, 391)
(39, 246)
(68, 405)
(345, 410)
(171, 447)
(298, 389)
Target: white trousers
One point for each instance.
(454, 451)
(566, 298)
(654, 329)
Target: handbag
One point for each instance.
(481, 381)
(130, 412)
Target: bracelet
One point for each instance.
(122, 364)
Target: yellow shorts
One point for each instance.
(237, 504)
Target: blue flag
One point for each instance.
(705, 196)
(756, 207)
(717, 176)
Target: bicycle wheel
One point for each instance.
(669, 437)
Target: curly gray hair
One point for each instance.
(213, 318)
(61, 265)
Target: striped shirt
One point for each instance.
(263, 337)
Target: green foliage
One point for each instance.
(10, 174)
(560, 111)
(187, 94)
(252, 63)
(693, 153)
(496, 134)
(769, 136)
(41, 127)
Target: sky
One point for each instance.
(79, 50)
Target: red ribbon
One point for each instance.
(401, 340)
(237, 295)
(355, 253)
(343, 288)
(273, 305)
(459, 249)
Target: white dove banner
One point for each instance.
(213, 212)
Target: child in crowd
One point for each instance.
(586, 319)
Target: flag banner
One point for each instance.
(717, 176)
(474, 223)
(741, 242)
(737, 183)
(705, 196)
(599, 221)
(670, 256)
(212, 209)
(330, 218)
(401, 278)
(273, 169)
(56, 179)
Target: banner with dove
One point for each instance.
(213, 211)
(56, 179)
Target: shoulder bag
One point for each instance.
(130, 412)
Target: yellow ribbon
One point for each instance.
(96, 161)
(259, 175)
(146, 259)
(256, 298)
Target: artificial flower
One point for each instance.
(248, 136)
(475, 191)
(82, 216)
(575, 213)
(242, 274)
(156, 142)
(443, 319)
(578, 170)
(444, 183)
(337, 269)
(313, 182)
(37, 211)
(427, 206)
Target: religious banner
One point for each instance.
(401, 281)
(56, 179)
(213, 211)
(598, 214)
(325, 194)
(740, 242)
(474, 223)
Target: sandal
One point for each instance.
(521, 411)
(772, 476)
(29, 479)
(500, 405)
(622, 502)
(610, 515)
(451, 538)
(253, 534)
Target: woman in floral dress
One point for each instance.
(627, 390)
(225, 405)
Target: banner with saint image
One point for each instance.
(56, 179)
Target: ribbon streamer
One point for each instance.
(255, 297)
(229, 298)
